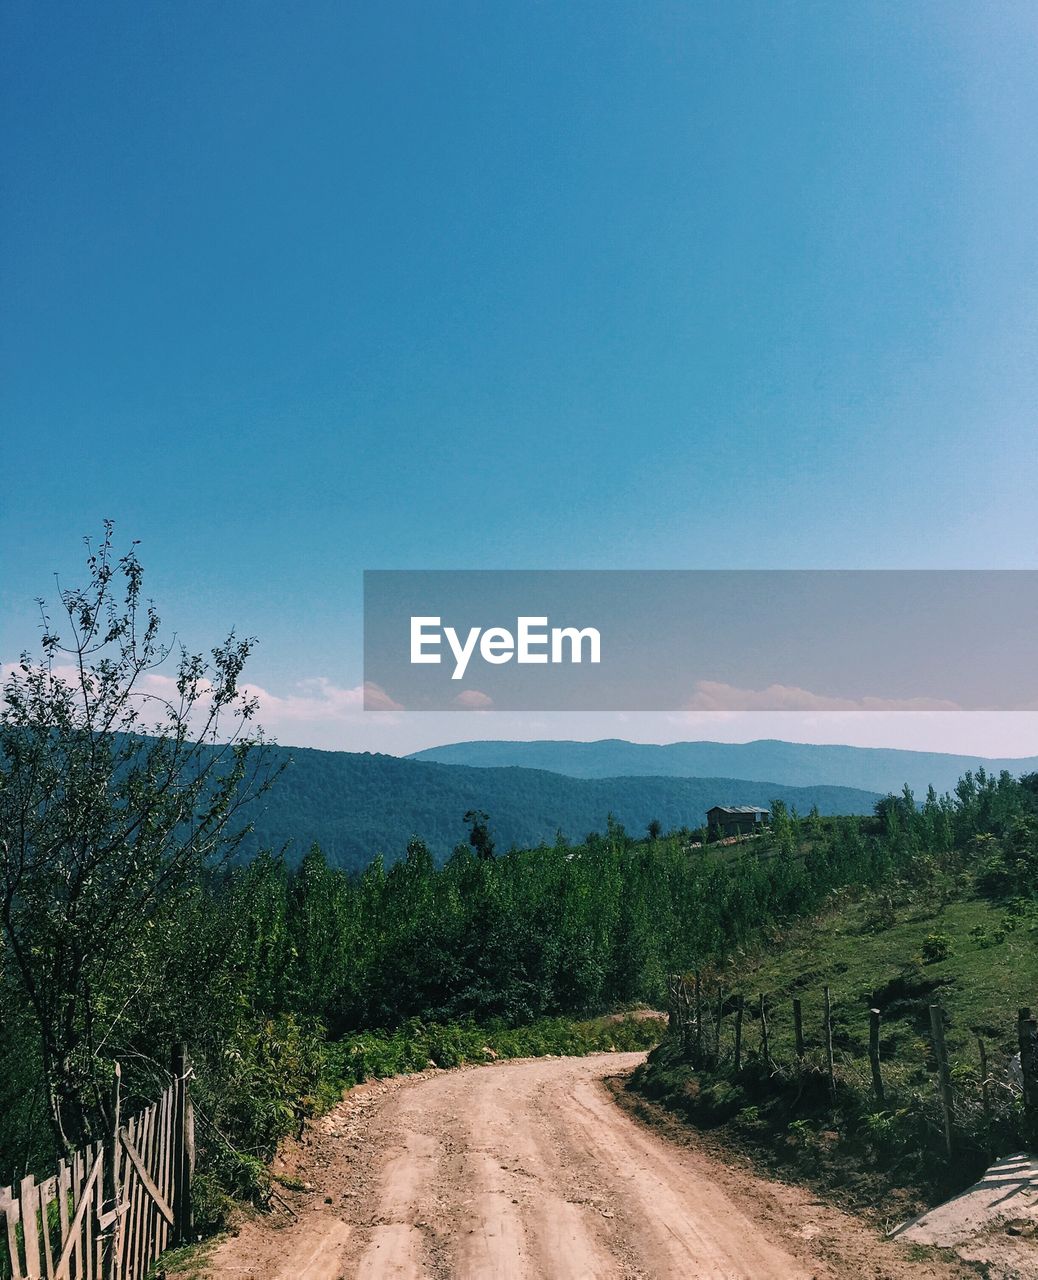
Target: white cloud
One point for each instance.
(319, 701)
(713, 695)
(474, 700)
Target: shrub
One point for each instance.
(936, 947)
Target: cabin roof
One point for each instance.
(737, 808)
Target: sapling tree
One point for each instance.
(479, 834)
(119, 783)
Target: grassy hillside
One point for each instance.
(872, 952)
(790, 763)
(358, 805)
(959, 931)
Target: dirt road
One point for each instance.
(531, 1170)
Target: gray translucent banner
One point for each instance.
(701, 640)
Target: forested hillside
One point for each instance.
(880, 769)
(358, 805)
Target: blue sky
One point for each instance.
(294, 291)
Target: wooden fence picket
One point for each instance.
(64, 1194)
(47, 1192)
(159, 1230)
(139, 1138)
(77, 1195)
(28, 1201)
(97, 1207)
(11, 1210)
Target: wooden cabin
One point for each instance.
(736, 820)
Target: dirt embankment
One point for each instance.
(530, 1170)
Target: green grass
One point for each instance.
(416, 1046)
(189, 1262)
(868, 950)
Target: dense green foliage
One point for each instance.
(358, 805)
(557, 929)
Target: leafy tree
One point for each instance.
(117, 785)
(479, 833)
(783, 827)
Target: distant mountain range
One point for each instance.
(358, 805)
(882, 769)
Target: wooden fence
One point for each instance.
(110, 1211)
(697, 1015)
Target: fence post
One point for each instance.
(764, 1046)
(112, 1222)
(827, 1030)
(717, 1025)
(798, 1029)
(676, 1024)
(699, 1021)
(877, 1075)
(737, 1059)
(985, 1083)
(943, 1074)
(1027, 1035)
(183, 1146)
(686, 1019)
